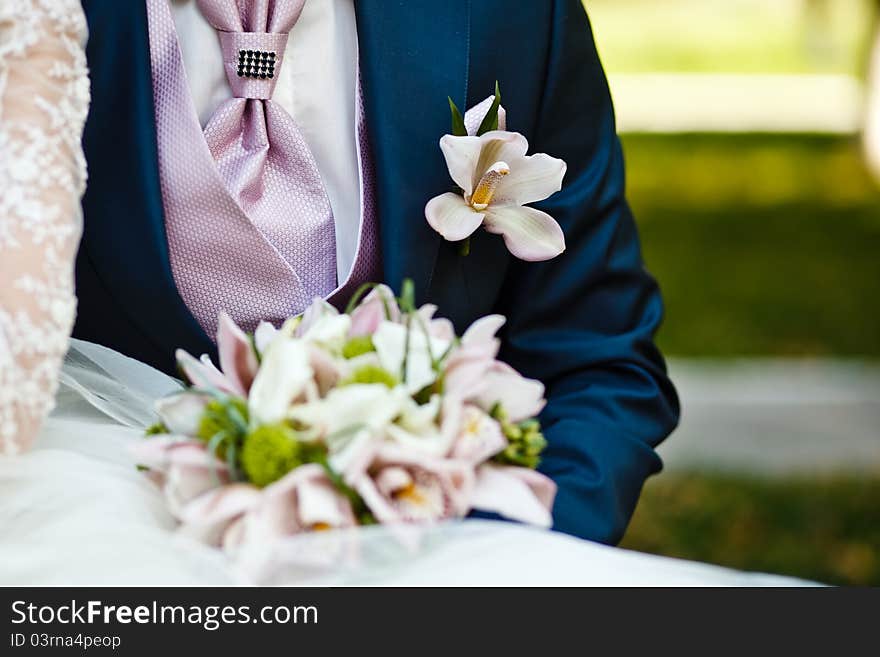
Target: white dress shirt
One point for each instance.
(316, 86)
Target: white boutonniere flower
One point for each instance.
(497, 182)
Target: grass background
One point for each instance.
(734, 36)
(825, 529)
(766, 246)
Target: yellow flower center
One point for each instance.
(321, 527)
(472, 426)
(410, 493)
(485, 191)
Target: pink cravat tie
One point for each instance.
(247, 222)
(260, 153)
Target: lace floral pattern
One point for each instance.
(44, 96)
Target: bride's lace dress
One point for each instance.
(44, 96)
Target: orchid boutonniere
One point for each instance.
(497, 182)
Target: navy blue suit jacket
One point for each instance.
(582, 323)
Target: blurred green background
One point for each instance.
(767, 245)
(732, 36)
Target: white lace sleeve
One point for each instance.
(44, 95)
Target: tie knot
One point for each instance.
(253, 34)
(252, 61)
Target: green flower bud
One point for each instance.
(157, 429)
(227, 417)
(513, 432)
(498, 413)
(358, 346)
(525, 441)
(535, 443)
(368, 374)
(270, 452)
(530, 425)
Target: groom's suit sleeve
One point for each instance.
(584, 322)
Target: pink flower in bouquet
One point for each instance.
(516, 493)
(403, 485)
(473, 373)
(467, 366)
(378, 306)
(212, 516)
(521, 398)
(438, 328)
(303, 500)
(238, 362)
(479, 438)
(367, 317)
(185, 469)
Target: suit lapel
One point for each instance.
(413, 55)
(517, 62)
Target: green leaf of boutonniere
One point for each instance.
(458, 128)
(490, 122)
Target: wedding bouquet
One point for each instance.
(380, 414)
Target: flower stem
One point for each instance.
(464, 248)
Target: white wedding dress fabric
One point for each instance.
(74, 509)
(44, 97)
